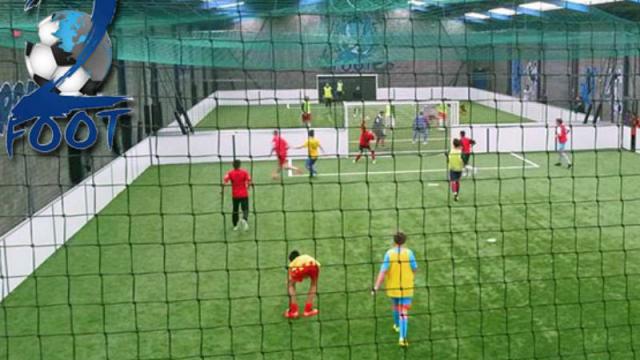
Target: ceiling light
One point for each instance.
(476, 16)
(539, 6)
(503, 11)
(592, 2)
(417, 3)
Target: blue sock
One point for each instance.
(396, 318)
(404, 325)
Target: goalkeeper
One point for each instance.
(302, 267)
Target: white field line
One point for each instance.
(356, 173)
(290, 171)
(402, 140)
(525, 160)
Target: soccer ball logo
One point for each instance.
(62, 37)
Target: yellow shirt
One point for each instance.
(400, 264)
(442, 108)
(303, 261)
(387, 111)
(306, 106)
(328, 92)
(312, 144)
(455, 160)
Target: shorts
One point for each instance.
(312, 272)
(561, 146)
(402, 301)
(379, 134)
(363, 148)
(282, 160)
(455, 175)
(306, 117)
(465, 158)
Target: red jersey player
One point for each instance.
(561, 140)
(467, 144)
(240, 181)
(301, 267)
(281, 147)
(366, 137)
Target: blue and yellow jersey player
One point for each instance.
(397, 271)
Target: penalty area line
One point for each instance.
(368, 173)
(522, 158)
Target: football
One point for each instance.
(61, 40)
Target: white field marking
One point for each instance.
(290, 171)
(492, 240)
(525, 160)
(356, 173)
(433, 184)
(388, 153)
(402, 140)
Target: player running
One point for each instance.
(280, 147)
(302, 267)
(467, 144)
(306, 112)
(240, 181)
(397, 271)
(313, 146)
(562, 135)
(378, 129)
(455, 168)
(366, 137)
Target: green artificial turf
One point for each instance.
(283, 116)
(160, 274)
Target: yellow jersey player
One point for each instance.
(302, 267)
(327, 94)
(313, 150)
(397, 271)
(456, 165)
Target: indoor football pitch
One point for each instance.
(534, 261)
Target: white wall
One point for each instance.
(540, 137)
(30, 243)
(215, 146)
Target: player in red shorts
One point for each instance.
(302, 267)
(366, 137)
(281, 147)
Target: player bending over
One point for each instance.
(302, 267)
(455, 168)
(467, 144)
(562, 135)
(397, 271)
(240, 181)
(281, 147)
(366, 137)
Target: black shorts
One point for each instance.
(465, 158)
(242, 203)
(455, 175)
(363, 148)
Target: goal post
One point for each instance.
(356, 87)
(401, 114)
(443, 118)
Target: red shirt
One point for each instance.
(635, 124)
(561, 134)
(467, 143)
(240, 181)
(365, 138)
(280, 146)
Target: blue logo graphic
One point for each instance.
(74, 56)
